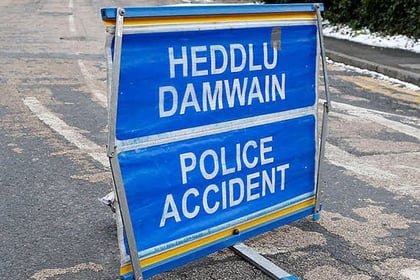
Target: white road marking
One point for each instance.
(341, 158)
(72, 25)
(411, 273)
(68, 132)
(53, 272)
(96, 93)
(359, 165)
(380, 118)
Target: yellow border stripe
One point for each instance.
(213, 18)
(217, 236)
(383, 88)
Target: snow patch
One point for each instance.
(364, 36)
(375, 75)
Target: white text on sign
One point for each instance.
(229, 193)
(199, 61)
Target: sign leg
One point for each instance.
(262, 263)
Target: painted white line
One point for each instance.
(380, 118)
(359, 165)
(68, 132)
(412, 273)
(97, 94)
(341, 158)
(72, 25)
(54, 272)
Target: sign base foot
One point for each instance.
(262, 263)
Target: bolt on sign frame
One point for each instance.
(213, 127)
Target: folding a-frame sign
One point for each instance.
(212, 126)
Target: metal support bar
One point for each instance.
(115, 80)
(111, 151)
(324, 129)
(108, 54)
(125, 216)
(323, 56)
(326, 109)
(262, 263)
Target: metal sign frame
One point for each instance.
(121, 21)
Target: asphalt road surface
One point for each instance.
(53, 165)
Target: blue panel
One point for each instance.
(152, 100)
(230, 177)
(135, 12)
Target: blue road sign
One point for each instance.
(215, 126)
(212, 76)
